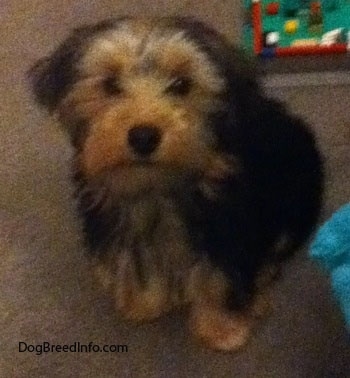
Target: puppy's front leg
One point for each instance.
(136, 301)
(211, 322)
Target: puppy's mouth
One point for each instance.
(143, 176)
(143, 163)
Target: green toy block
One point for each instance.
(330, 5)
(344, 36)
(290, 7)
(247, 4)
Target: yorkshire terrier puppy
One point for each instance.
(192, 185)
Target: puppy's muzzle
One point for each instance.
(144, 139)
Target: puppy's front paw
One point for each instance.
(220, 329)
(143, 304)
(134, 301)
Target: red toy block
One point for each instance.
(339, 48)
(272, 8)
(257, 27)
(315, 6)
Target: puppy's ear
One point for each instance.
(51, 78)
(242, 97)
(232, 62)
(45, 83)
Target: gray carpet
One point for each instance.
(46, 293)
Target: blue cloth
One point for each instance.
(331, 248)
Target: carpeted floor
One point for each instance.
(45, 289)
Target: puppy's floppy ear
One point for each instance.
(46, 83)
(52, 77)
(242, 96)
(233, 63)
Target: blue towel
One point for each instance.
(331, 248)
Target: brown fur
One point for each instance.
(186, 143)
(135, 206)
(166, 257)
(144, 71)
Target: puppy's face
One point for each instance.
(136, 96)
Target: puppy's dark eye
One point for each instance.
(180, 86)
(111, 86)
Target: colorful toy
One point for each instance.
(331, 4)
(315, 29)
(272, 8)
(315, 18)
(271, 39)
(291, 26)
(290, 7)
(333, 36)
(331, 249)
(305, 42)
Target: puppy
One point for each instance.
(193, 187)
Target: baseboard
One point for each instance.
(306, 79)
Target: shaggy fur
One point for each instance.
(193, 186)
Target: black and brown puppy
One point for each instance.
(192, 185)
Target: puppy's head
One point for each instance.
(144, 100)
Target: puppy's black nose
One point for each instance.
(144, 139)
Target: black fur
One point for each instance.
(277, 192)
(280, 188)
(52, 77)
